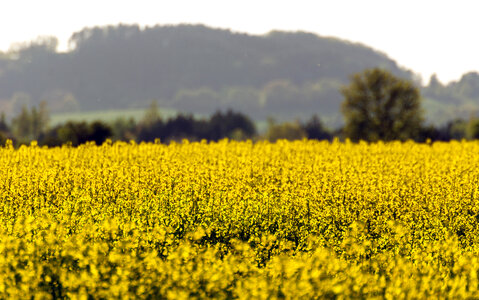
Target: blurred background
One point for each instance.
(145, 70)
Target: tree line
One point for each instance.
(32, 124)
(377, 106)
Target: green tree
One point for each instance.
(472, 129)
(74, 132)
(123, 129)
(29, 125)
(22, 125)
(3, 123)
(39, 119)
(379, 106)
(289, 130)
(224, 125)
(152, 114)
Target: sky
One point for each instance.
(425, 36)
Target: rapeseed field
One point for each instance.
(227, 220)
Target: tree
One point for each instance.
(123, 129)
(4, 129)
(22, 125)
(472, 129)
(77, 133)
(74, 132)
(39, 119)
(223, 125)
(152, 114)
(29, 125)
(379, 106)
(3, 123)
(99, 132)
(289, 130)
(314, 129)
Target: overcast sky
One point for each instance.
(425, 36)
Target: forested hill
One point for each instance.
(190, 68)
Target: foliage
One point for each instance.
(379, 106)
(76, 133)
(223, 125)
(302, 219)
(30, 124)
(228, 124)
(288, 131)
(315, 129)
(152, 114)
(472, 129)
(3, 123)
(281, 98)
(123, 129)
(22, 124)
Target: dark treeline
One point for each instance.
(32, 124)
(220, 125)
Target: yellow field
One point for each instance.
(240, 220)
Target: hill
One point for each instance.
(191, 68)
(458, 99)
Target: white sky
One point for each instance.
(425, 36)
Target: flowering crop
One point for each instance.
(301, 219)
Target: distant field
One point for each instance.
(105, 115)
(112, 115)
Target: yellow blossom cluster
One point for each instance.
(303, 219)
